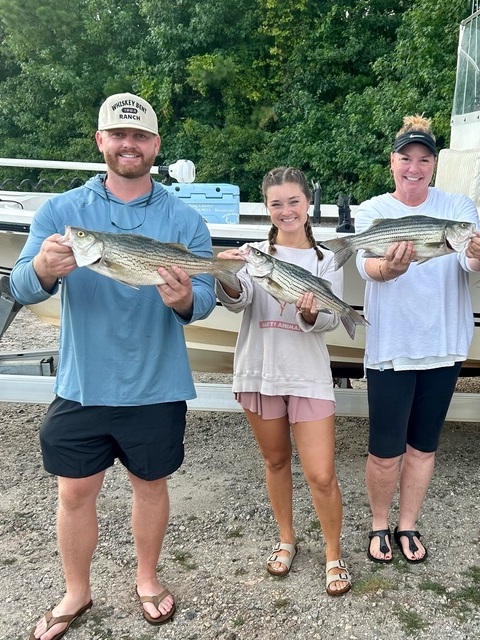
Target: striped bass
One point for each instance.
(432, 237)
(286, 282)
(134, 259)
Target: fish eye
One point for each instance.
(80, 234)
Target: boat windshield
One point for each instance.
(467, 86)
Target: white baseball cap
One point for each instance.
(124, 110)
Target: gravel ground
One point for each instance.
(221, 531)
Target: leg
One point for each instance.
(77, 531)
(315, 443)
(381, 481)
(390, 398)
(273, 438)
(150, 512)
(415, 477)
(433, 392)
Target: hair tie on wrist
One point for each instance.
(380, 270)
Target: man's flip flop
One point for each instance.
(52, 620)
(384, 535)
(285, 560)
(410, 534)
(155, 600)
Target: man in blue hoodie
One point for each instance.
(123, 377)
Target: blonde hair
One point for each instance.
(417, 123)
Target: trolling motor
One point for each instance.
(345, 224)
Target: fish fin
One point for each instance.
(132, 286)
(229, 279)
(333, 244)
(350, 319)
(326, 283)
(368, 253)
(341, 248)
(179, 246)
(227, 270)
(84, 262)
(272, 287)
(275, 286)
(422, 260)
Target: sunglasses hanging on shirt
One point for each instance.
(134, 210)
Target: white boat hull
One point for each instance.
(211, 342)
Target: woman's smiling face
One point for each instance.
(412, 169)
(288, 206)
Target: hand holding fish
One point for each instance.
(307, 305)
(53, 261)
(473, 247)
(231, 254)
(176, 292)
(395, 263)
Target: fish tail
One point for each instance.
(341, 248)
(229, 279)
(350, 319)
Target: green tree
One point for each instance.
(240, 86)
(417, 77)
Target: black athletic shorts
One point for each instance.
(78, 441)
(408, 407)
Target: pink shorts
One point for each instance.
(298, 409)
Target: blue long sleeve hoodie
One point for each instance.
(119, 346)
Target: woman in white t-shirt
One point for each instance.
(421, 327)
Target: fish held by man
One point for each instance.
(432, 237)
(286, 282)
(134, 259)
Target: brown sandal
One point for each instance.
(52, 620)
(155, 600)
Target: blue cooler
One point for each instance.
(215, 202)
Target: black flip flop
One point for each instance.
(384, 535)
(410, 534)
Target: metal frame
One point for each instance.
(464, 407)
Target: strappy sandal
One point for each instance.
(343, 576)
(285, 560)
(410, 534)
(384, 535)
(155, 600)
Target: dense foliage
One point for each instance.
(240, 86)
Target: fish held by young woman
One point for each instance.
(286, 282)
(432, 237)
(134, 259)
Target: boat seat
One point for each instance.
(458, 171)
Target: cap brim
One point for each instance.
(109, 127)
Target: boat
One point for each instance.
(211, 341)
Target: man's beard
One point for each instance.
(137, 171)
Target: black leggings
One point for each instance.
(408, 407)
